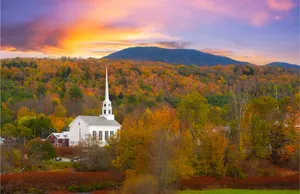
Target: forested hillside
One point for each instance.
(236, 112)
(64, 88)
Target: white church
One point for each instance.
(100, 127)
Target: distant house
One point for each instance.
(59, 139)
(2, 140)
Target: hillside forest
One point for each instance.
(203, 120)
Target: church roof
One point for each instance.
(98, 120)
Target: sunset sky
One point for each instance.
(257, 31)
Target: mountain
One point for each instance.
(282, 65)
(173, 56)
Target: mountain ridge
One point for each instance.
(282, 65)
(173, 56)
(183, 56)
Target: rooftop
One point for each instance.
(98, 120)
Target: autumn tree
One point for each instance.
(60, 111)
(9, 130)
(240, 96)
(193, 110)
(162, 156)
(41, 90)
(140, 137)
(24, 111)
(74, 103)
(7, 115)
(96, 158)
(213, 144)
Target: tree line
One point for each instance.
(177, 121)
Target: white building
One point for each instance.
(99, 127)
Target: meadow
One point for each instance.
(238, 191)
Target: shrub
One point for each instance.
(84, 188)
(36, 191)
(39, 150)
(142, 184)
(67, 151)
(73, 188)
(93, 187)
(236, 172)
(96, 158)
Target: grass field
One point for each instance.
(238, 191)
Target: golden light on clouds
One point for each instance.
(96, 28)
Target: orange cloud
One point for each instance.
(243, 55)
(222, 52)
(99, 27)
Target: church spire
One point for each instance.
(106, 87)
(106, 107)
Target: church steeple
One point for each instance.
(106, 107)
(106, 87)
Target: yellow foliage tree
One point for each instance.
(152, 138)
(24, 111)
(60, 111)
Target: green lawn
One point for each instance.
(238, 191)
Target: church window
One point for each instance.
(100, 135)
(104, 105)
(94, 134)
(111, 133)
(106, 135)
(109, 105)
(79, 123)
(104, 111)
(108, 111)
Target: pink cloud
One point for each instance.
(254, 12)
(281, 5)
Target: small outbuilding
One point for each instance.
(59, 139)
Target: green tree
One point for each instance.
(24, 132)
(265, 106)
(193, 109)
(75, 92)
(7, 115)
(41, 90)
(218, 100)
(260, 138)
(9, 130)
(39, 150)
(42, 126)
(215, 115)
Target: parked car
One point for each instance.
(78, 159)
(58, 159)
